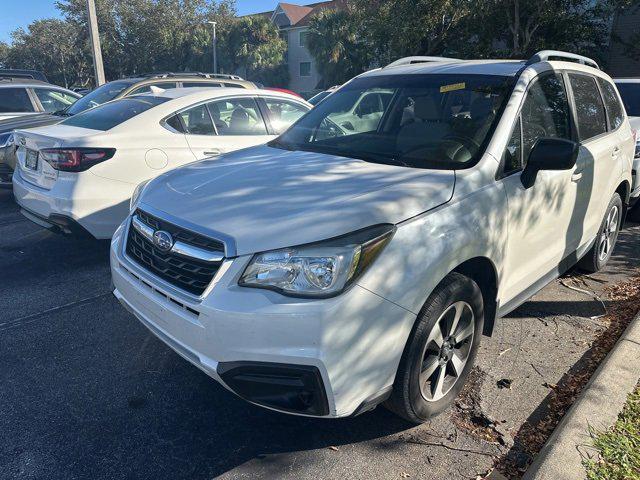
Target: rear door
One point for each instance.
(224, 125)
(51, 100)
(281, 113)
(597, 167)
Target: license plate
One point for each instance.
(31, 160)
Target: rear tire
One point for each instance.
(598, 256)
(440, 351)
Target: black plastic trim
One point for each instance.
(284, 387)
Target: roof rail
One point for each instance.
(548, 55)
(190, 74)
(421, 59)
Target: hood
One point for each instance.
(28, 121)
(264, 198)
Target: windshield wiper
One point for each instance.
(62, 113)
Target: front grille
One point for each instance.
(188, 274)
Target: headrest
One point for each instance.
(426, 108)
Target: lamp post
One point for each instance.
(215, 58)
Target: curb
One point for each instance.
(598, 406)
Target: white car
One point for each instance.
(629, 89)
(20, 97)
(333, 269)
(77, 176)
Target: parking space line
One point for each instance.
(35, 316)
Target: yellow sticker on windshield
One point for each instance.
(452, 87)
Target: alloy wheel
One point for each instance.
(447, 351)
(608, 234)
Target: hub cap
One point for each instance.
(447, 351)
(608, 234)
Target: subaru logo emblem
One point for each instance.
(163, 240)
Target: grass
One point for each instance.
(618, 447)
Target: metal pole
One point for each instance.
(95, 43)
(215, 58)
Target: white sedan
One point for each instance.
(79, 175)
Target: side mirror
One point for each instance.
(549, 154)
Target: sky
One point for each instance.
(20, 13)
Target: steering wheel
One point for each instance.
(467, 142)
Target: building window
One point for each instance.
(305, 69)
(303, 38)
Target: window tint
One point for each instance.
(305, 69)
(197, 121)
(200, 84)
(589, 108)
(282, 113)
(15, 100)
(545, 112)
(100, 95)
(53, 100)
(513, 152)
(147, 88)
(237, 116)
(109, 115)
(630, 93)
(175, 123)
(612, 102)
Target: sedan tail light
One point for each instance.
(75, 159)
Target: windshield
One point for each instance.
(100, 95)
(630, 93)
(105, 117)
(420, 121)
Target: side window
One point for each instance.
(175, 123)
(237, 116)
(197, 121)
(283, 114)
(545, 112)
(612, 103)
(53, 100)
(589, 108)
(147, 88)
(200, 84)
(513, 153)
(15, 100)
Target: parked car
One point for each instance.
(109, 91)
(20, 97)
(78, 176)
(629, 89)
(283, 90)
(337, 268)
(24, 74)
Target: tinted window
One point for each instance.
(612, 103)
(197, 121)
(237, 116)
(545, 112)
(589, 108)
(147, 88)
(15, 100)
(419, 121)
(200, 84)
(175, 123)
(630, 93)
(54, 100)
(105, 117)
(100, 95)
(283, 114)
(513, 152)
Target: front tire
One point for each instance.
(598, 256)
(440, 351)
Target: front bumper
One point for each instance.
(328, 358)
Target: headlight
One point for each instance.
(6, 139)
(136, 195)
(317, 270)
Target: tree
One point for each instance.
(335, 40)
(253, 46)
(4, 52)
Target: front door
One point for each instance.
(542, 218)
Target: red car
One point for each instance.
(283, 90)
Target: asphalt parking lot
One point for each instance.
(87, 393)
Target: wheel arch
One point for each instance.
(624, 190)
(483, 271)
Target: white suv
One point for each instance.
(336, 268)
